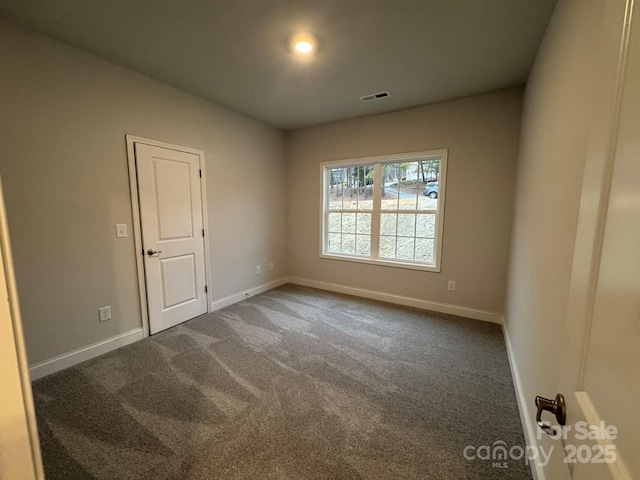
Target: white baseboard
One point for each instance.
(527, 425)
(70, 359)
(486, 316)
(238, 297)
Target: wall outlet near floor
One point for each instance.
(452, 285)
(105, 313)
(271, 267)
(258, 269)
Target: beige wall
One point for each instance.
(63, 122)
(481, 133)
(556, 121)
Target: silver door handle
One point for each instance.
(153, 253)
(558, 407)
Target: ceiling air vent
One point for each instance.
(375, 96)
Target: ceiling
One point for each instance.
(234, 52)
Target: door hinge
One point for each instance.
(203, 232)
(200, 172)
(206, 289)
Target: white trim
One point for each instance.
(528, 427)
(618, 469)
(238, 297)
(205, 225)
(12, 304)
(392, 158)
(377, 161)
(381, 262)
(376, 217)
(467, 312)
(70, 359)
(131, 140)
(137, 232)
(442, 193)
(74, 357)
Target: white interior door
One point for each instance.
(610, 376)
(600, 375)
(170, 196)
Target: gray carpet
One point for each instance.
(295, 383)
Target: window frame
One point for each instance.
(377, 162)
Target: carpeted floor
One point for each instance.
(295, 383)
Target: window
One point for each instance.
(385, 210)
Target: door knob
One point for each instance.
(558, 407)
(153, 253)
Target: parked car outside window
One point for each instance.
(431, 190)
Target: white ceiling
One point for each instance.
(234, 52)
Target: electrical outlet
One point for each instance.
(271, 267)
(452, 285)
(258, 269)
(105, 313)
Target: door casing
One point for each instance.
(137, 226)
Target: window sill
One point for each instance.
(381, 262)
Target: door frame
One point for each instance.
(131, 140)
(18, 424)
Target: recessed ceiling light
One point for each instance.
(303, 46)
